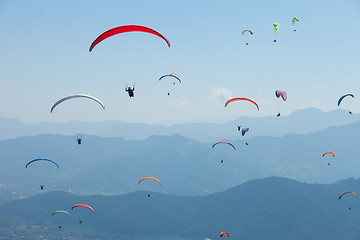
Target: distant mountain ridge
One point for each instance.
(298, 122)
(269, 208)
(186, 167)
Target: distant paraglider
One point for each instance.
(245, 31)
(341, 195)
(276, 30)
(149, 178)
(174, 75)
(243, 132)
(283, 95)
(330, 153)
(85, 206)
(294, 20)
(224, 233)
(342, 98)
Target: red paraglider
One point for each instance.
(124, 29)
(224, 233)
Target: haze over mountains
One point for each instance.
(269, 208)
(186, 167)
(301, 122)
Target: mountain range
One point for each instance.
(269, 208)
(299, 122)
(115, 165)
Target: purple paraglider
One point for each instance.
(282, 94)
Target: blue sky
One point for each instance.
(44, 57)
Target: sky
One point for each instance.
(44, 57)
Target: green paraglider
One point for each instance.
(276, 30)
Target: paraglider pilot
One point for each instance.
(79, 140)
(130, 91)
(41, 187)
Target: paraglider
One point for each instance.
(344, 96)
(125, 29)
(83, 205)
(245, 31)
(294, 20)
(224, 233)
(341, 195)
(174, 75)
(243, 132)
(276, 30)
(331, 153)
(224, 143)
(77, 96)
(130, 91)
(241, 99)
(283, 95)
(151, 178)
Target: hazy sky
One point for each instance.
(44, 57)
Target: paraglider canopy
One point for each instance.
(125, 29)
(171, 75)
(41, 159)
(251, 32)
(61, 211)
(241, 99)
(244, 130)
(282, 94)
(342, 97)
(331, 153)
(341, 195)
(294, 20)
(77, 96)
(224, 233)
(83, 205)
(145, 178)
(276, 28)
(224, 143)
